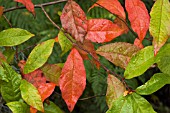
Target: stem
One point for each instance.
(7, 21)
(86, 98)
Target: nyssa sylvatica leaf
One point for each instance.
(138, 16)
(113, 6)
(73, 79)
(28, 4)
(102, 30)
(74, 21)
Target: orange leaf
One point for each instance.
(73, 79)
(1, 10)
(113, 6)
(102, 30)
(33, 110)
(74, 21)
(138, 43)
(56, 39)
(138, 16)
(28, 4)
(121, 24)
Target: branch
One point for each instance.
(7, 21)
(80, 47)
(35, 6)
(86, 98)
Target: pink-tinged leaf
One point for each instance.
(1, 10)
(138, 16)
(102, 30)
(73, 79)
(28, 4)
(74, 21)
(113, 6)
(115, 89)
(138, 43)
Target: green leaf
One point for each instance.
(31, 95)
(3, 76)
(118, 53)
(140, 62)
(132, 103)
(39, 56)
(14, 36)
(156, 82)
(65, 44)
(160, 23)
(52, 108)
(115, 89)
(52, 72)
(10, 90)
(9, 54)
(18, 107)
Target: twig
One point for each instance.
(35, 6)
(7, 21)
(86, 98)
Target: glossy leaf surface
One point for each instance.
(102, 30)
(39, 56)
(160, 23)
(73, 79)
(74, 21)
(140, 62)
(156, 82)
(31, 95)
(14, 36)
(118, 53)
(138, 16)
(115, 89)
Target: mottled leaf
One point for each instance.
(65, 44)
(10, 90)
(140, 62)
(14, 36)
(1, 10)
(138, 43)
(52, 108)
(156, 82)
(31, 95)
(112, 6)
(9, 54)
(121, 24)
(73, 79)
(74, 21)
(118, 53)
(18, 107)
(115, 89)
(102, 30)
(3, 75)
(160, 23)
(2, 58)
(138, 16)
(132, 103)
(52, 72)
(28, 4)
(39, 56)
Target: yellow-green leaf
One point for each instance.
(160, 23)
(14, 36)
(31, 95)
(39, 56)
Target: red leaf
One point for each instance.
(113, 6)
(1, 10)
(138, 43)
(74, 21)
(138, 16)
(102, 30)
(121, 24)
(73, 79)
(33, 110)
(28, 4)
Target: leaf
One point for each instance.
(112, 6)
(28, 4)
(14, 36)
(73, 79)
(9, 54)
(138, 43)
(132, 103)
(18, 107)
(160, 23)
(115, 89)
(52, 73)
(118, 53)
(1, 10)
(39, 56)
(102, 30)
(10, 90)
(74, 21)
(31, 95)
(2, 58)
(3, 75)
(156, 82)
(52, 108)
(138, 16)
(65, 44)
(140, 62)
